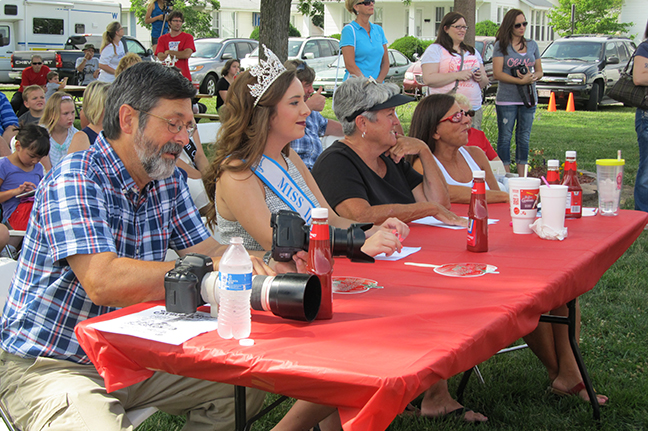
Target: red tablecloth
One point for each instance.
(384, 347)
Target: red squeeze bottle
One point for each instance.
(478, 215)
(573, 207)
(320, 259)
(553, 172)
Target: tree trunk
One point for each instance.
(273, 31)
(467, 9)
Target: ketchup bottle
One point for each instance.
(553, 172)
(478, 215)
(320, 259)
(573, 207)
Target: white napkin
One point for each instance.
(547, 232)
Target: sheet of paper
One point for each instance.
(157, 324)
(589, 212)
(432, 221)
(405, 251)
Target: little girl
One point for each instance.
(20, 173)
(58, 118)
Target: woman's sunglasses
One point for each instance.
(366, 2)
(520, 24)
(458, 116)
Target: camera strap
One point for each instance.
(277, 179)
(526, 93)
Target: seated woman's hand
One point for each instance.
(396, 226)
(298, 264)
(260, 268)
(406, 146)
(383, 241)
(447, 216)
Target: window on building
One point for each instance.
(377, 17)
(440, 13)
(228, 25)
(48, 26)
(347, 17)
(501, 11)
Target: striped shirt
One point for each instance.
(7, 114)
(88, 204)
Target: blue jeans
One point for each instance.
(507, 116)
(641, 183)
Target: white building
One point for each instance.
(422, 18)
(635, 11)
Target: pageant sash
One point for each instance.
(277, 179)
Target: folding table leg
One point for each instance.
(240, 415)
(570, 321)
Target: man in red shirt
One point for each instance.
(176, 46)
(36, 74)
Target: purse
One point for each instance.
(626, 91)
(454, 89)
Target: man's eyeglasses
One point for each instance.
(460, 27)
(520, 24)
(458, 116)
(172, 125)
(36, 63)
(366, 2)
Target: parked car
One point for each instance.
(413, 81)
(64, 61)
(317, 52)
(585, 66)
(398, 64)
(211, 55)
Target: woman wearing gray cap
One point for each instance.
(364, 176)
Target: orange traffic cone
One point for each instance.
(570, 103)
(552, 103)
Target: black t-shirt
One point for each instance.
(221, 85)
(341, 174)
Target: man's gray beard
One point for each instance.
(154, 165)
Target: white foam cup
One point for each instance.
(523, 199)
(554, 200)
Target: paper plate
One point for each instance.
(465, 269)
(350, 285)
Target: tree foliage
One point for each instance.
(592, 17)
(197, 15)
(486, 28)
(314, 9)
(292, 32)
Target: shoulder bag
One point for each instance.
(626, 91)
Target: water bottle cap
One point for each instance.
(553, 163)
(320, 213)
(570, 154)
(479, 174)
(236, 240)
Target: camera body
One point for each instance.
(290, 234)
(182, 284)
(522, 69)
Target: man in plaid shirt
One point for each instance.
(102, 222)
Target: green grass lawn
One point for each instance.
(614, 313)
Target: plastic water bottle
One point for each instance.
(235, 286)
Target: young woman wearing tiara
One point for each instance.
(261, 118)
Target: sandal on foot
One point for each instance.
(602, 399)
(456, 413)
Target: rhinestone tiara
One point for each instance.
(266, 72)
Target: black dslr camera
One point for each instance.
(291, 296)
(182, 284)
(520, 68)
(290, 234)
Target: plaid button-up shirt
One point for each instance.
(88, 204)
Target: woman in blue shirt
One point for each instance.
(363, 44)
(155, 15)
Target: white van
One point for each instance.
(46, 24)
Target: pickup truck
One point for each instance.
(64, 60)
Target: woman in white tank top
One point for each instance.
(443, 125)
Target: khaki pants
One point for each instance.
(63, 395)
